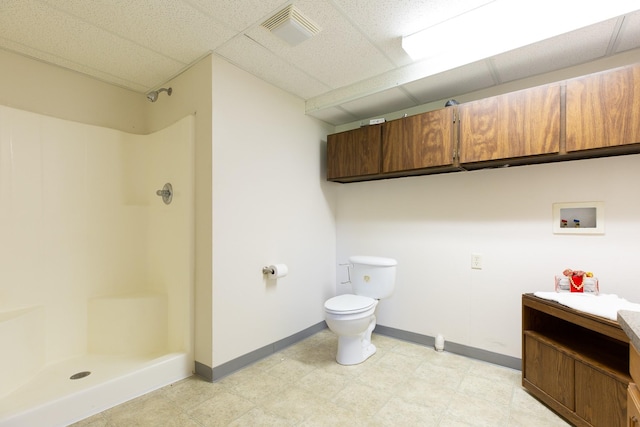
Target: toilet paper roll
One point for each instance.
(278, 270)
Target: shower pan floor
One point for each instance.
(51, 398)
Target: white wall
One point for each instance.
(270, 205)
(432, 224)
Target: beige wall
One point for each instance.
(432, 225)
(34, 86)
(271, 205)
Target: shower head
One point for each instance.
(153, 95)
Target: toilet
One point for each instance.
(352, 316)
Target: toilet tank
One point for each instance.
(374, 277)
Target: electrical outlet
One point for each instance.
(476, 261)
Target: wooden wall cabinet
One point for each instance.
(603, 109)
(354, 153)
(591, 116)
(518, 124)
(416, 142)
(576, 363)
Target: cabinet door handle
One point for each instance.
(634, 419)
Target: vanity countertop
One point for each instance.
(630, 323)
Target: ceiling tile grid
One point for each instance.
(458, 81)
(392, 99)
(337, 56)
(259, 61)
(170, 28)
(74, 41)
(573, 48)
(238, 14)
(353, 69)
(629, 37)
(386, 21)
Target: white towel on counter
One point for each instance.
(603, 305)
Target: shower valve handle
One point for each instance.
(166, 193)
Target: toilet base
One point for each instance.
(354, 350)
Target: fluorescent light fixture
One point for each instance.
(504, 25)
(291, 26)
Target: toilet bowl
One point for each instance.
(352, 318)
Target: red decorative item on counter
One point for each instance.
(576, 279)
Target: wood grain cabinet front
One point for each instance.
(416, 142)
(517, 124)
(603, 109)
(633, 393)
(633, 406)
(354, 153)
(576, 363)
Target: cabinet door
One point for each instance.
(603, 109)
(420, 141)
(633, 406)
(354, 153)
(550, 370)
(601, 399)
(517, 124)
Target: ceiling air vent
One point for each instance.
(291, 26)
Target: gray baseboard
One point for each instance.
(204, 371)
(452, 347)
(256, 355)
(214, 374)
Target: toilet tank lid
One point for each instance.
(373, 260)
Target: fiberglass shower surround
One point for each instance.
(88, 287)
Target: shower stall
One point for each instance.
(96, 269)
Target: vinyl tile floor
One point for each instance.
(403, 384)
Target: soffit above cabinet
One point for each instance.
(353, 69)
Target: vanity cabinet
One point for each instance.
(354, 154)
(416, 142)
(514, 125)
(576, 363)
(633, 393)
(603, 109)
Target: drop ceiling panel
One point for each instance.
(142, 44)
(461, 80)
(76, 42)
(333, 115)
(238, 14)
(337, 56)
(254, 58)
(563, 51)
(629, 37)
(380, 103)
(386, 21)
(174, 29)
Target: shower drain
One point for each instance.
(80, 375)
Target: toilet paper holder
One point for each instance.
(268, 270)
(275, 271)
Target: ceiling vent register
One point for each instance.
(291, 26)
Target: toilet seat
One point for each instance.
(349, 304)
